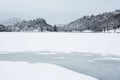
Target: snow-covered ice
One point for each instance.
(62, 57)
(38, 71)
(109, 58)
(95, 65)
(44, 53)
(64, 42)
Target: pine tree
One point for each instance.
(55, 28)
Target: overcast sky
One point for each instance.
(55, 11)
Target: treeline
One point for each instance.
(38, 25)
(95, 23)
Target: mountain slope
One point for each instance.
(10, 21)
(96, 23)
(37, 25)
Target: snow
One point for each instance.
(87, 31)
(109, 58)
(38, 71)
(62, 57)
(45, 53)
(103, 43)
(112, 31)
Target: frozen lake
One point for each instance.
(102, 67)
(64, 42)
(93, 54)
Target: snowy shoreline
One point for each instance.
(38, 71)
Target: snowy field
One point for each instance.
(59, 56)
(108, 43)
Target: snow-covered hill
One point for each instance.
(39, 71)
(17, 25)
(10, 21)
(96, 23)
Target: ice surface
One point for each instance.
(64, 42)
(95, 65)
(38, 71)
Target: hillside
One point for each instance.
(96, 23)
(37, 25)
(11, 21)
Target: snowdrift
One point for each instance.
(39, 71)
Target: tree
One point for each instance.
(2, 28)
(114, 28)
(55, 28)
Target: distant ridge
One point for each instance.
(104, 22)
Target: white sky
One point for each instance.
(55, 11)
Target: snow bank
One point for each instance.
(112, 31)
(39, 71)
(64, 42)
(87, 31)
